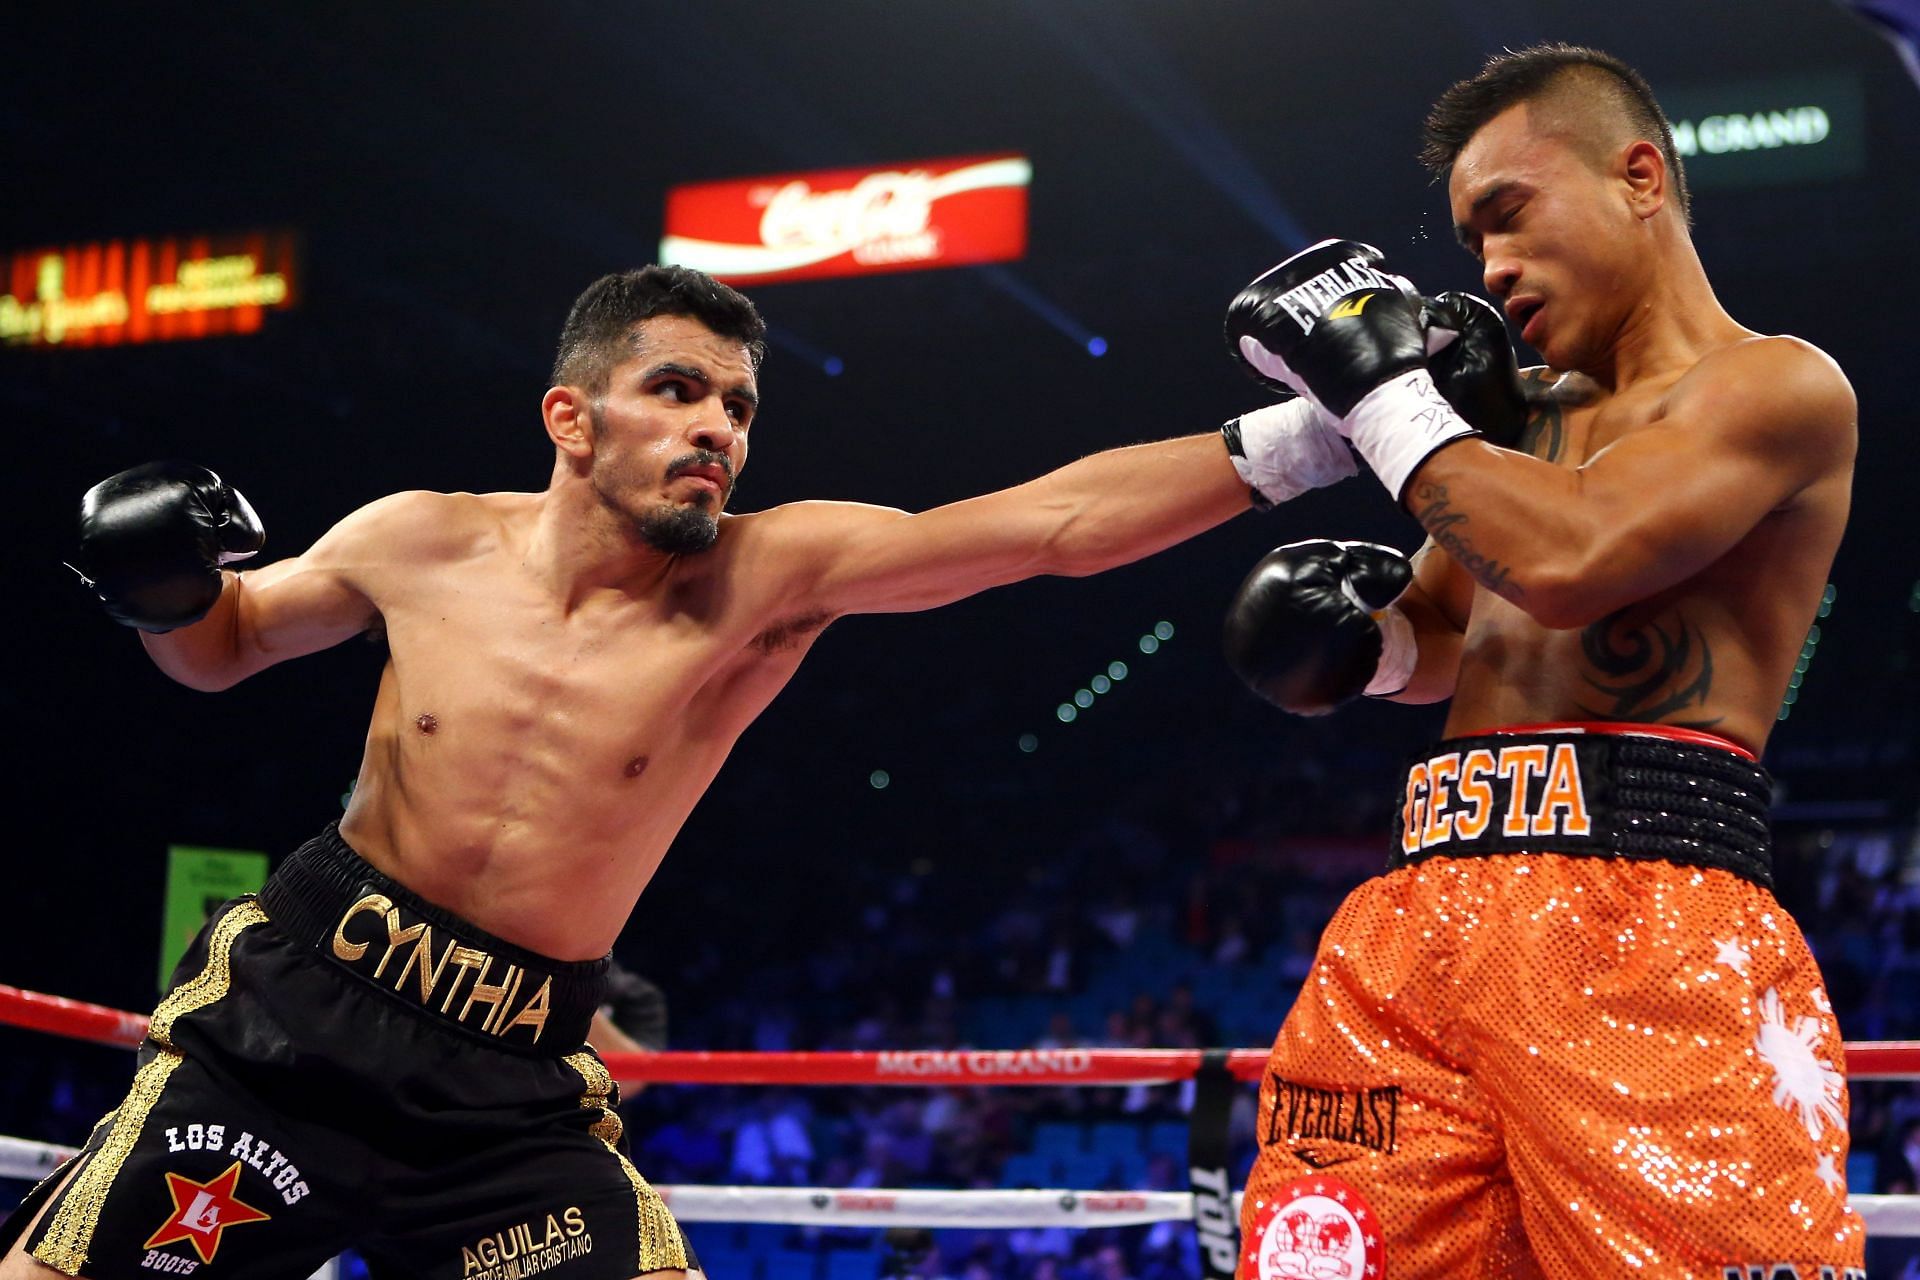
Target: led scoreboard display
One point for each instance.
(148, 290)
(848, 222)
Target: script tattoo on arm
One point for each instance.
(1648, 671)
(1448, 529)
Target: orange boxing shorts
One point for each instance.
(1569, 1033)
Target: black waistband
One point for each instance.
(429, 958)
(1605, 795)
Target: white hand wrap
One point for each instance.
(1399, 653)
(1289, 448)
(1399, 424)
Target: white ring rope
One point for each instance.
(880, 1207)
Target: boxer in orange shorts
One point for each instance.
(1569, 1032)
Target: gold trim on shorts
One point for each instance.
(68, 1236)
(661, 1246)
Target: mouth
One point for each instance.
(1525, 312)
(704, 474)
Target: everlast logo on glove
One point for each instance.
(1318, 296)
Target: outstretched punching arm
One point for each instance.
(1105, 510)
(1095, 514)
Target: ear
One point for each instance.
(567, 415)
(1644, 170)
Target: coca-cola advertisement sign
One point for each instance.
(845, 222)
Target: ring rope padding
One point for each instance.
(78, 1020)
(881, 1207)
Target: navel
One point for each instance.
(636, 766)
(426, 723)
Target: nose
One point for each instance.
(714, 431)
(1501, 273)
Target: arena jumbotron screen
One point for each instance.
(155, 289)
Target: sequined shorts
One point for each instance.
(1544, 1064)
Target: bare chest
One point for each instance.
(483, 673)
(1570, 429)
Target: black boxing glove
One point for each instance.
(153, 539)
(1332, 326)
(1473, 364)
(637, 1007)
(1277, 325)
(1314, 625)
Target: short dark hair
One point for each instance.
(1515, 76)
(599, 329)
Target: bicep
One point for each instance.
(324, 595)
(1662, 504)
(296, 607)
(866, 559)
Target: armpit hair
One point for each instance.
(786, 633)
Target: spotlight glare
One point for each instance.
(1082, 698)
(1149, 644)
(1118, 670)
(1100, 684)
(1029, 743)
(1096, 347)
(1067, 712)
(833, 366)
(1164, 630)
(879, 779)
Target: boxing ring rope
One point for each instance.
(1885, 1215)
(78, 1020)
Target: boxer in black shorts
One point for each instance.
(567, 671)
(294, 1093)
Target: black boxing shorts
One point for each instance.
(342, 1064)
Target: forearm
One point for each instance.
(1520, 527)
(205, 655)
(1118, 506)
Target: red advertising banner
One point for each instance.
(846, 222)
(150, 290)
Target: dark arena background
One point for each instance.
(1048, 817)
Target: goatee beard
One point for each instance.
(677, 531)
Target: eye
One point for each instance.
(739, 410)
(675, 389)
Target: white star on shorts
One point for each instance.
(1732, 955)
(1826, 1172)
(1805, 1085)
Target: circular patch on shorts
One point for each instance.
(1316, 1228)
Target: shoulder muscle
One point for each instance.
(1777, 397)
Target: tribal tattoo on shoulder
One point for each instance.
(1647, 671)
(1545, 435)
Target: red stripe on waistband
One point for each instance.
(1671, 732)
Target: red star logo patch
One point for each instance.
(202, 1210)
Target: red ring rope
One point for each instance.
(78, 1020)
